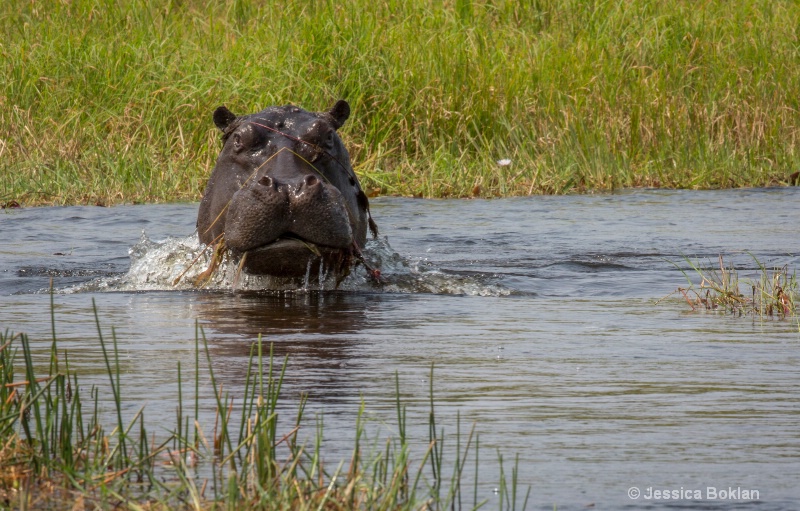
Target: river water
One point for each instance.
(538, 314)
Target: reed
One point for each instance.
(107, 102)
(773, 292)
(55, 452)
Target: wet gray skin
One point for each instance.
(283, 194)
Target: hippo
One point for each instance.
(283, 196)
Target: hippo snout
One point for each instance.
(297, 185)
(305, 209)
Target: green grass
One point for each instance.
(111, 101)
(55, 452)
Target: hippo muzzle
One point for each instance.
(283, 196)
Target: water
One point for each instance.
(538, 313)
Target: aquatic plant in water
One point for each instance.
(774, 293)
(55, 453)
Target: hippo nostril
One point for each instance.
(265, 181)
(311, 180)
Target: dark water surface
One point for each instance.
(538, 313)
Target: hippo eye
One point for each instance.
(329, 141)
(246, 138)
(237, 142)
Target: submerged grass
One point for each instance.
(105, 102)
(56, 454)
(773, 293)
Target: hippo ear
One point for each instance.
(223, 117)
(339, 113)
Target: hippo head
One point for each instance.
(283, 196)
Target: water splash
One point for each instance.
(176, 263)
(402, 275)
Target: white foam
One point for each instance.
(176, 264)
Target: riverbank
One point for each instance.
(108, 104)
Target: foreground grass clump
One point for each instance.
(106, 102)
(56, 454)
(774, 293)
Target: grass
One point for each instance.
(55, 453)
(773, 293)
(107, 102)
